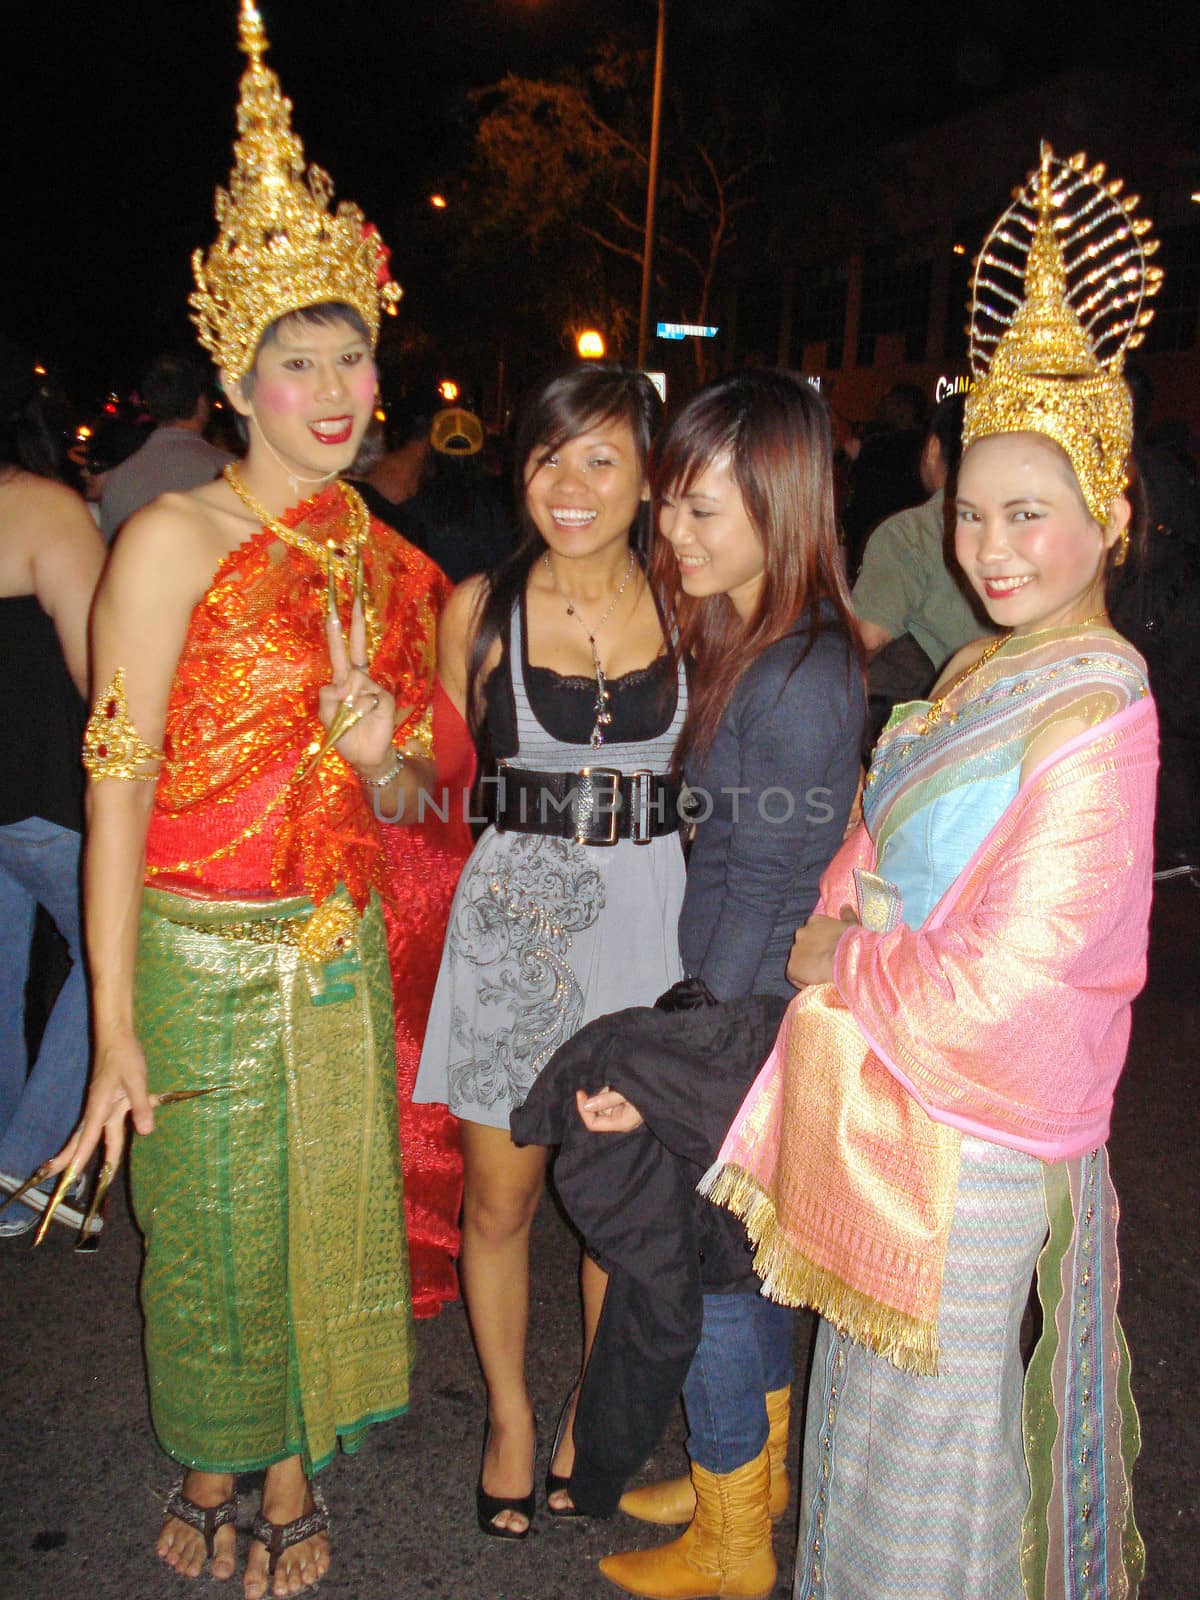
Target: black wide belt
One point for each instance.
(596, 805)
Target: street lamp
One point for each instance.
(660, 50)
(660, 47)
(590, 345)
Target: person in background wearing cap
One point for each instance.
(457, 516)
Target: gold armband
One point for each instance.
(112, 746)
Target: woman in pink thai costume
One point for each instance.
(930, 1127)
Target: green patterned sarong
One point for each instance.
(275, 1284)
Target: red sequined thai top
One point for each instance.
(231, 819)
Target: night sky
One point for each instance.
(121, 112)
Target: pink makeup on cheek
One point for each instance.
(279, 396)
(361, 381)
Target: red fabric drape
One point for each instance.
(424, 864)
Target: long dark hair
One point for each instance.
(561, 411)
(774, 427)
(31, 437)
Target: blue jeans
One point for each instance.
(39, 863)
(744, 1354)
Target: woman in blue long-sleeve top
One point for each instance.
(780, 772)
(770, 751)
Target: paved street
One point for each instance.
(82, 1476)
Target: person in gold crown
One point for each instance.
(931, 1126)
(267, 659)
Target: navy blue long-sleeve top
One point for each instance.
(780, 777)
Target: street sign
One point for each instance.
(659, 380)
(686, 330)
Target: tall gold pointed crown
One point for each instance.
(1059, 295)
(279, 246)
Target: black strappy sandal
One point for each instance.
(280, 1536)
(489, 1506)
(558, 1482)
(206, 1520)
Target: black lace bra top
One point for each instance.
(642, 702)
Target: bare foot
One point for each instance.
(508, 1465)
(182, 1547)
(286, 1496)
(563, 1460)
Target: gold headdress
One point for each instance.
(1059, 295)
(279, 246)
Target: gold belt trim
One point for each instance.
(321, 935)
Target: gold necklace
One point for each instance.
(336, 560)
(603, 714)
(325, 555)
(934, 715)
(936, 708)
(343, 559)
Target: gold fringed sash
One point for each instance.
(869, 1180)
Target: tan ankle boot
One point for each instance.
(779, 1411)
(666, 1503)
(724, 1552)
(673, 1500)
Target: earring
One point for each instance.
(1122, 549)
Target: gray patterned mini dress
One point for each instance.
(546, 934)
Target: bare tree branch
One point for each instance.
(610, 244)
(621, 216)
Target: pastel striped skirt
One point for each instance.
(915, 1488)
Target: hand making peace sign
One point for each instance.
(365, 710)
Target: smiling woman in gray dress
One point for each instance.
(569, 905)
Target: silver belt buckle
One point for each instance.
(501, 792)
(639, 805)
(585, 807)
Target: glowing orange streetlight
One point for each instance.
(448, 390)
(590, 345)
(438, 202)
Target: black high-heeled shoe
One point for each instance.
(489, 1506)
(557, 1482)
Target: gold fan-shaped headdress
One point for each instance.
(279, 246)
(1059, 294)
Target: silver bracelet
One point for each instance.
(394, 771)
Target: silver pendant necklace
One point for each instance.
(602, 713)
